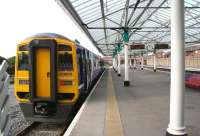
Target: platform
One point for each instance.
(142, 109)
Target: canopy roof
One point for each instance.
(148, 21)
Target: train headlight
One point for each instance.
(23, 95)
(66, 82)
(65, 96)
(23, 82)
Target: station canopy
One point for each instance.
(148, 21)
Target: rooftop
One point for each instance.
(148, 21)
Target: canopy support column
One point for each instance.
(134, 63)
(119, 63)
(142, 62)
(126, 78)
(154, 61)
(114, 64)
(126, 53)
(176, 125)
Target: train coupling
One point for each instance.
(44, 108)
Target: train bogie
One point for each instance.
(46, 112)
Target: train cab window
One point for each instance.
(63, 47)
(24, 48)
(23, 60)
(65, 62)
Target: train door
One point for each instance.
(80, 68)
(89, 69)
(85, 70)
(42, 60)
(43, 75)
(92, 66)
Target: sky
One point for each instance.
(20, 19)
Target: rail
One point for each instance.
(28, 129)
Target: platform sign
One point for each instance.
(137, 47)
(161, 46)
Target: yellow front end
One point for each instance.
(67, 76)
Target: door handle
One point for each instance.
(48, 74)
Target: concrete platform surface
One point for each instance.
(142, 109)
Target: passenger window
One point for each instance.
(23, 59)
(65, 62)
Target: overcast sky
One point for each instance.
(20, 19)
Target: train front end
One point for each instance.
(46, 79)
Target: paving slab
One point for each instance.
(141, 109)
(91, 122)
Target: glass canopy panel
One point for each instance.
(116, 16)
(96, 23)
(151, 16)
(96, 33)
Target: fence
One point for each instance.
(4, 99)
(190, 62)
(192, 65)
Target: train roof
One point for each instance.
(54, 35)
(49, 35)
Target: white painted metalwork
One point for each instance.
(97, 18)
(154, 62)
(177, 89)
(126, 78)
(134, 63)
(113, 62)
(116, 63)
(142, 62)
(119, 64)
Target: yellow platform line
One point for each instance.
(113, 124)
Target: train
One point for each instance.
(52, 72)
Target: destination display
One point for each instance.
(137, 47)
(162, 46)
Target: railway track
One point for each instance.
(43, 129)
(50, 129)
(27, 129)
